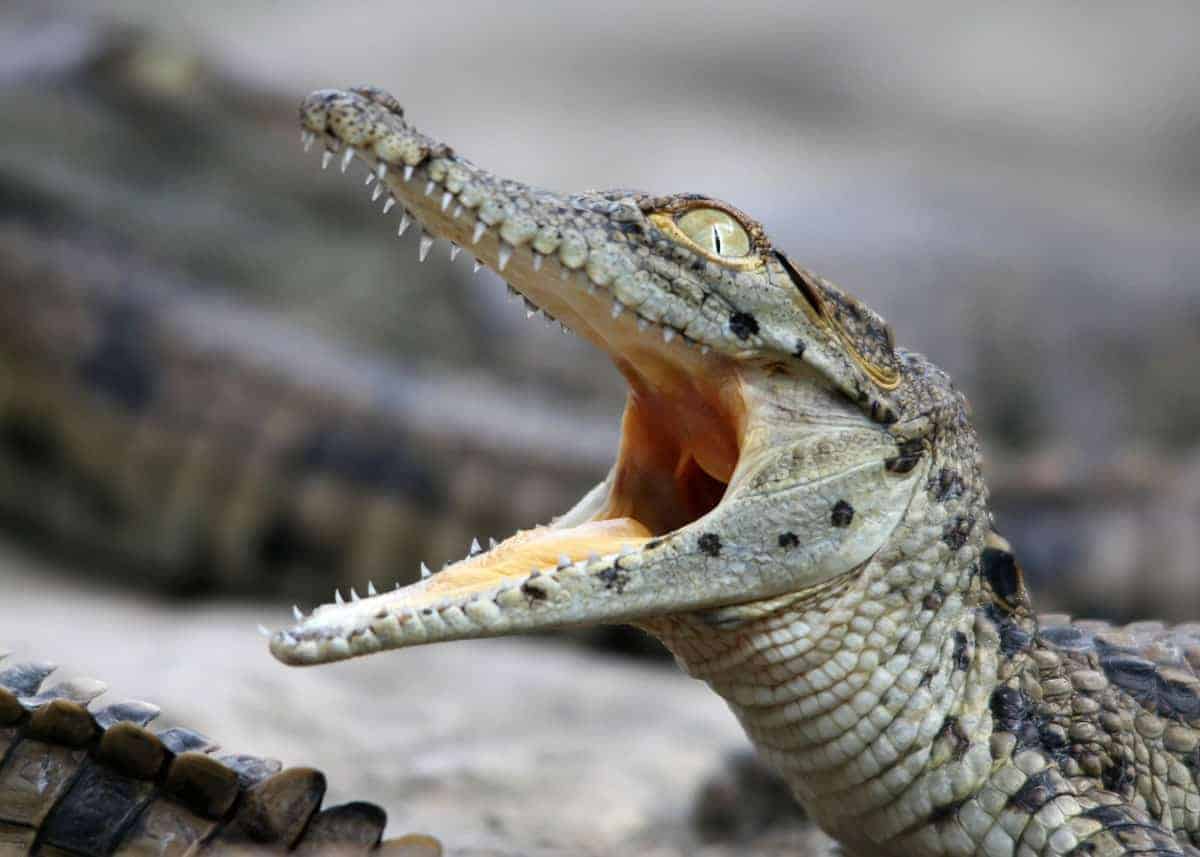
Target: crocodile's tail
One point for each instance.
(93, 782)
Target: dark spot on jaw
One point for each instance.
(710, 543)
(962, 654)
(533, 593)
(743, 325)
(1034, 793)
(800, 349)
(613, 578)
(789, 540)
(842, 514)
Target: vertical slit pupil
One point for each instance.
(716, 237)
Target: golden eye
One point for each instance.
(715, 231)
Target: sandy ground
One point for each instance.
(518, 746)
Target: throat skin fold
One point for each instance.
(796, 509)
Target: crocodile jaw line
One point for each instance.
(687, 435)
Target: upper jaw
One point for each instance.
(566, 254)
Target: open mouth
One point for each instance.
(685, 417)
(729, 352)
(682, 427)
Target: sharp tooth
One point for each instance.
(381, 170)
(378, 192)
(353, 594)
(476, 266)
(454, 251)
(297, 613)
(425, 572)
(616, 309)
(326, 157)
(503, 254)
(371, 590)
(564, 561)
(668, 334)
(642, 323)
(446, 198)
(370, 177)
(337, 597)
(492, 544)
(262, 629)
(429, 186)
(424, 245)
(537, 261)
(475, 547)
(405, 222)
(408, 172)
(388, 203)
(480, 228)
(531, 308)
(347, 157)
(307, 137)
(564, 328)
(457, 213)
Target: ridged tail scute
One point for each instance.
(84, 780)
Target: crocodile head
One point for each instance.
(770, 443)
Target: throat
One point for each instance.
(680, 445)
(849, 694)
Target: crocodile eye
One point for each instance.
(715, 231)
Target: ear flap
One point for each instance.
(865, 334)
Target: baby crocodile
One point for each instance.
(796, 510)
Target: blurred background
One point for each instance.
(226, 385)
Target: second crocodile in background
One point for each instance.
(797, 512)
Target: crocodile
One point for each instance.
(80, 778)
(120, 387)
(797, 512)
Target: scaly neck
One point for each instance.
(856, 693)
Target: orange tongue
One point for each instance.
(538, 548)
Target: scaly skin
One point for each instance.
(76, 782)
(797, 512)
